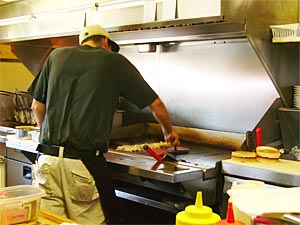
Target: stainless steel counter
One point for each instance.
(4, 131)
(134, 164)
(283, 173)
(21, 144)
(145, 166)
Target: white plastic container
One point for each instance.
(260, 201)
(19, 204)
(22, 132)
(34, 135)
(248, 185)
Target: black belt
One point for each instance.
(68, 152)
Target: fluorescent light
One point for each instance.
(119, 4)
(122, 4)
(65, 10)
(15, 20)
(27, 18)
(98, 6)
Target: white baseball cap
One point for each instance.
(92, 30)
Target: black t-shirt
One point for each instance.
(81, 87)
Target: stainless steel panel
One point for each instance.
(145, 166)
(43, 19)
(146, 201)
(217, 85)
(270, 176)
(282, 61)
(178, 30)
(17, 155)
(17, 173)
(290, 127)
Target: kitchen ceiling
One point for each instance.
(5, 2)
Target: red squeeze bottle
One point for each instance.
(258, 136)
(230, 217)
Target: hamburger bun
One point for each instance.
(243, 156)
(240, 159)
(267, 152)
(263, 159)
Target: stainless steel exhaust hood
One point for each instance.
(162, 31)
(40, 39)
(50, 25)
(178, 30)
(126, 19)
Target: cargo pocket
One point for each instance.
(83, 187)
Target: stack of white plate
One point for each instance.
(297, 96)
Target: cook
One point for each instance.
(75, 95)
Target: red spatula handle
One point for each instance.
(153, 153)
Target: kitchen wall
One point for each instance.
(277, 63)
(13, 73)
(280, 60)
(214, 85)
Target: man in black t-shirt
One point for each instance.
(75, 96)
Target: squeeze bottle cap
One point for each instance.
(197, 214)
(229, 217)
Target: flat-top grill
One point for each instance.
(198, 163)
(141, 178)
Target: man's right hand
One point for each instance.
(172, 138)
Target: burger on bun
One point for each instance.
(267, 154)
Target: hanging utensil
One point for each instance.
(258, 131)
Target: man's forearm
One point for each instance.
(161, 114)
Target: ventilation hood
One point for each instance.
(178, 30)
(39, 26)
(162, 31)
(40, 40)
(129, 21)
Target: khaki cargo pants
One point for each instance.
(70, 189)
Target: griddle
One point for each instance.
(199, 163)
(198, 154)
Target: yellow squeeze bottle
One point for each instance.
(197, 214)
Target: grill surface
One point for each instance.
(198, 163)
(201, 155)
